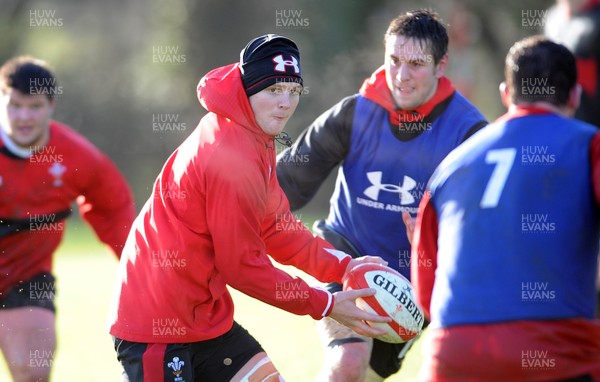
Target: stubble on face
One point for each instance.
(411, 72)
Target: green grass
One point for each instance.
(85, 272)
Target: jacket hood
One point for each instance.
(376, 89)
(221, 92)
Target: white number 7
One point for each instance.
(504, 159)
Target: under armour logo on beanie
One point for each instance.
(267, 60)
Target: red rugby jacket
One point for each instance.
(216, 212)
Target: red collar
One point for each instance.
(523, 111)
(376, 89)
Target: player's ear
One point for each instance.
(440, 68)
(574, 97)
(504, 94)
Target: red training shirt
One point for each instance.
(216, 212)
(36, 194)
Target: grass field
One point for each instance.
(85, 273)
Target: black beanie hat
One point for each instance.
(269, 59)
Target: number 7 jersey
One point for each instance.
(512, 216)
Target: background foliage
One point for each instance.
(124, 65)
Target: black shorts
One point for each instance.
(215, 360)
(38, 291)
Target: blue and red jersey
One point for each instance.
(507, 236)
(386, 156)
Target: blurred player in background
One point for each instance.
(506, 241)
(44, 167)
(388, 139)
(216, 212)
(576, 24)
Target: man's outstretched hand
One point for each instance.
(364, 260)
(347, 313)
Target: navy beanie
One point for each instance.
(269, 59)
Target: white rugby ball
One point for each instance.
(394, 298)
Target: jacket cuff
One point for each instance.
(330, 304)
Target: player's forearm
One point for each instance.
(312, 255)
(424, 253)
(302, 168)
(110, 218)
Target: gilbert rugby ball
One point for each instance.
(394, 298)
